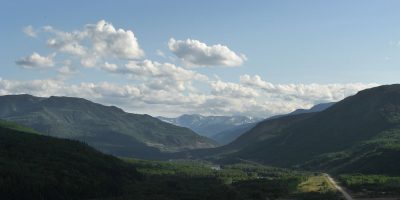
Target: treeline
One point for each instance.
(373, 185)
(183, 179)
(40, 167)
(226, 173)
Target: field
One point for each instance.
(317, 183)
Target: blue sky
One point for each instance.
(295, 51)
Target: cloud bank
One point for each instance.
(225, 98)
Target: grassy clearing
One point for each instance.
(318, 183)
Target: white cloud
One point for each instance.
(107, 40)
(136, 98)
(110, 67)
(36, 61)
(89, 60)
(163, 88)
(68, 43)
(162, 70)
(312, 93)
(67, 70)
(234, 90)
(195, 53)
(227, 99)
(34, 87)
(160, 53)
(161, 76)
(53, 87)
(29, 31)
(95, 42)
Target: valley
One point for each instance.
(200, 100)
(284, 157)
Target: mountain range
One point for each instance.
(229, 135)
(107, 128)
(211, 126)
(316, 108)
(360, 134)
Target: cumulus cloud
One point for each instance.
(224, 99)
(53, 87)
(161, 76)
(110, 41)
(89, 60)
(36, 61)
(233, 90)
(135, 98)
(67, 42)
(29, 31)
(67, 70)
(131, 97)
(309, 92)
(162, 70)
(196, 53)
(110, 67)
(96, 42)
(162, 88)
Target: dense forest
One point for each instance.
(40, 167)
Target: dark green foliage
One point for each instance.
(233, 172)
(372, 184)
(42, 167)
(319, 196)
(106, 128)
(16, 127)
(169, 187)
(272, 188)
(182, 179)
(33, 166)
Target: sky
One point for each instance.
(254, 58)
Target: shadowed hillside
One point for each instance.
(106, 128)
(41, 167)
(358, 134)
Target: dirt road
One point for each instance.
(340, 189)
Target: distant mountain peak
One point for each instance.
(209, 125)
(316, 108)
